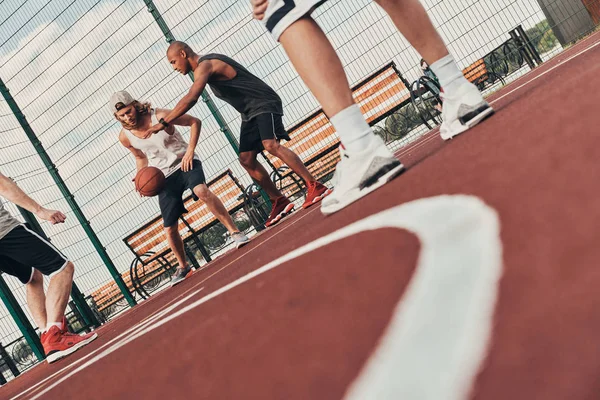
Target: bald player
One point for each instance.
(262, 125)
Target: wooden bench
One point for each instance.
(151, 237)
(503, 60)
(476, 73)
(315, 140)
(149, 243)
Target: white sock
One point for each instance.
(355, 133)
(450, 76)
(59, 325)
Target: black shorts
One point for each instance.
(170, 198)
(262, 127)
(22, 250)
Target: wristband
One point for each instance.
(163, 122)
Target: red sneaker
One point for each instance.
(59, 343)
(316, 192)
(282, 206)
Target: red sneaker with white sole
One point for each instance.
(316, 192)
(282, 206)
(59, 343)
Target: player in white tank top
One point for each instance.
(164, 151)
(169, 152)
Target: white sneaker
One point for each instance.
(462, 110)
(361, 173)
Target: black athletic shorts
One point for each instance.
(22, 250)
(262, 127)
(170, 198)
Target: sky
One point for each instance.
(63, 59)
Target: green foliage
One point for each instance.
(542, 36)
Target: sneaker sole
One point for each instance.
(360, 193)
(463, 124)
(181, 280)
(317, 199)
(61, 354)
(286, 211)
(241, 244)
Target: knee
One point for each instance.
(247, 160)
(171, 230)
(272, 146)
(202, 192)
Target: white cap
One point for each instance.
(119, 97)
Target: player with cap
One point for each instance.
(176, 158)
(262, 125)
(366, 163)
(27, 256)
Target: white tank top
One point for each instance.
(164, 151)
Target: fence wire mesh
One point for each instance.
(61, 61)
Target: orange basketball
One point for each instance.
(149, 181)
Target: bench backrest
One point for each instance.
(377, 96)
(151, 237)
(476, 72)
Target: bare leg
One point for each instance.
(259, 174)
(36, 299)
(412, 21)
(176, 244)
(58, 294)
(318, 65)
(215, 206)
(289, 157)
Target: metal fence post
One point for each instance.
(21, 320)
(66, 193)
(205, 96)
(82, 306)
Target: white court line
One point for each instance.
(254, 248)
(545, 72)
(452, 324)
(423, 142)
(427, 137)
(133, 329)
(192, 288)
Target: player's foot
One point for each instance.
(462, 109)
(316, 192)
(59, 343)
(180, 274)
(239, 239)
(361, 173)
(282, 206)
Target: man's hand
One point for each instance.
(259, 7)
(54, 216)
(153, 129)
(187, 160)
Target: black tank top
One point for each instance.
(246, 93)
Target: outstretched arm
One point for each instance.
(14, 194)
(201, 76)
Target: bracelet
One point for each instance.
(163, 122)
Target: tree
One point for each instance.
(542, 37)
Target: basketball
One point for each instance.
(149, 181)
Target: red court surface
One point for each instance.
(478, 281)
